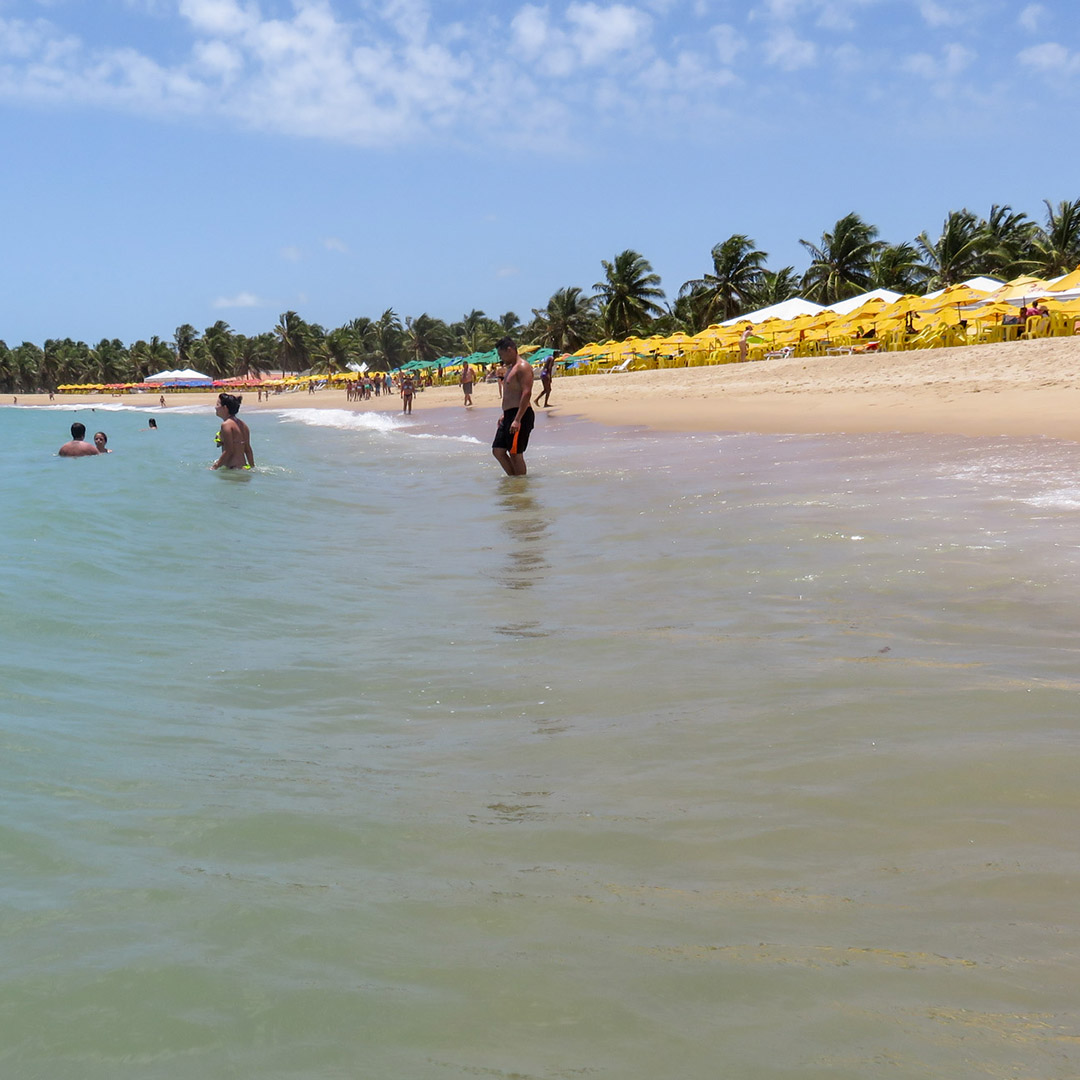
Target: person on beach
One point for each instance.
(101, 442)
(468, 377)
(406, 394)
(161, 401)
(234, 435)
(545, 381)
(78, 446)
(744, 344)
(512, 434)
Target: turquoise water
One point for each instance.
(685, 757)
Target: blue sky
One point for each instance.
(172, 161)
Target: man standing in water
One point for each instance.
(235, 437)
(78, 447)
(512, 434)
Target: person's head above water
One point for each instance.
(153, 423)
(100, 439)
(78, 431)
(230, 402)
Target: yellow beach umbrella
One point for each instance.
(1066, 284)
(1019, 289)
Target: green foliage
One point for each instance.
(841, 265)
(736, 277)
(628, 295)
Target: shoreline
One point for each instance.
(1022, 388)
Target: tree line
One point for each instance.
(847, 260)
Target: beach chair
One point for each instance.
(618, 367)
(781, 354)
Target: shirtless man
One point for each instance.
(545, 381)
(468, 377)
(235, 437)
(512, 434)
(78, 447)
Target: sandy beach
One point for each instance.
(1022, 388)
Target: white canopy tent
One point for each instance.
(185, 377)
(844, 306)
(786, 309)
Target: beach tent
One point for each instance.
(983, 284)
(846, 307)
(185, 377)
(786, 309)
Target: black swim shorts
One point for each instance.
(504, 437)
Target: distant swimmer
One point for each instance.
(235, 437)
(78, 447)
(151, 424)
(512, 434)
(101, 442)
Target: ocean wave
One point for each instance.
(344, 419)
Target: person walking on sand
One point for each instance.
(545, 381)
(468, 377)
(78, 446)
(234, 435)
(512, 434)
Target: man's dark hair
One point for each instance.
(78, 431)
(504, 343)
(231, 402)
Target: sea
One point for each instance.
(687, 756)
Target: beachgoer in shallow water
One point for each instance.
(235, 436)
(101, 442)
(151, 424)
(512, 434)
(406, 395)
(78, 447)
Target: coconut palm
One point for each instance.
(1007, 239)
(897, 267)
(426, 338)
(628, 294)
(253, 356)
(568, 321)
(184, 338)
(218, 350)
(388, 340)
(737, 272)
(293, 353)
(957, 252)
(774, 287)
(841, 263)
(1056, 246)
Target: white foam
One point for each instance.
(344, 419)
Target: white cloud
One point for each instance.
(219, 16)
(507, 272)
(785, 50)
(728, 42)
(592, 35)
(937, 14)
(1032, 18)
(291, 253)
(1050, 58)
(240, 300)
(950, 62)
(332, 243)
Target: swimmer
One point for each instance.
(151, 424)
(100, 441)
(78, 447)
(235, 436)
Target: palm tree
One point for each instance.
(219, 350)
(253, 356)
(388, 338)
(1007, 239)
(628, 294)
(897, 267)
(568, 321)
(841, 263)
(426, 338)
(1057, 245)
(184, 338)
(775, 287)
(737, 272)
(956, 254)
(292, 348)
